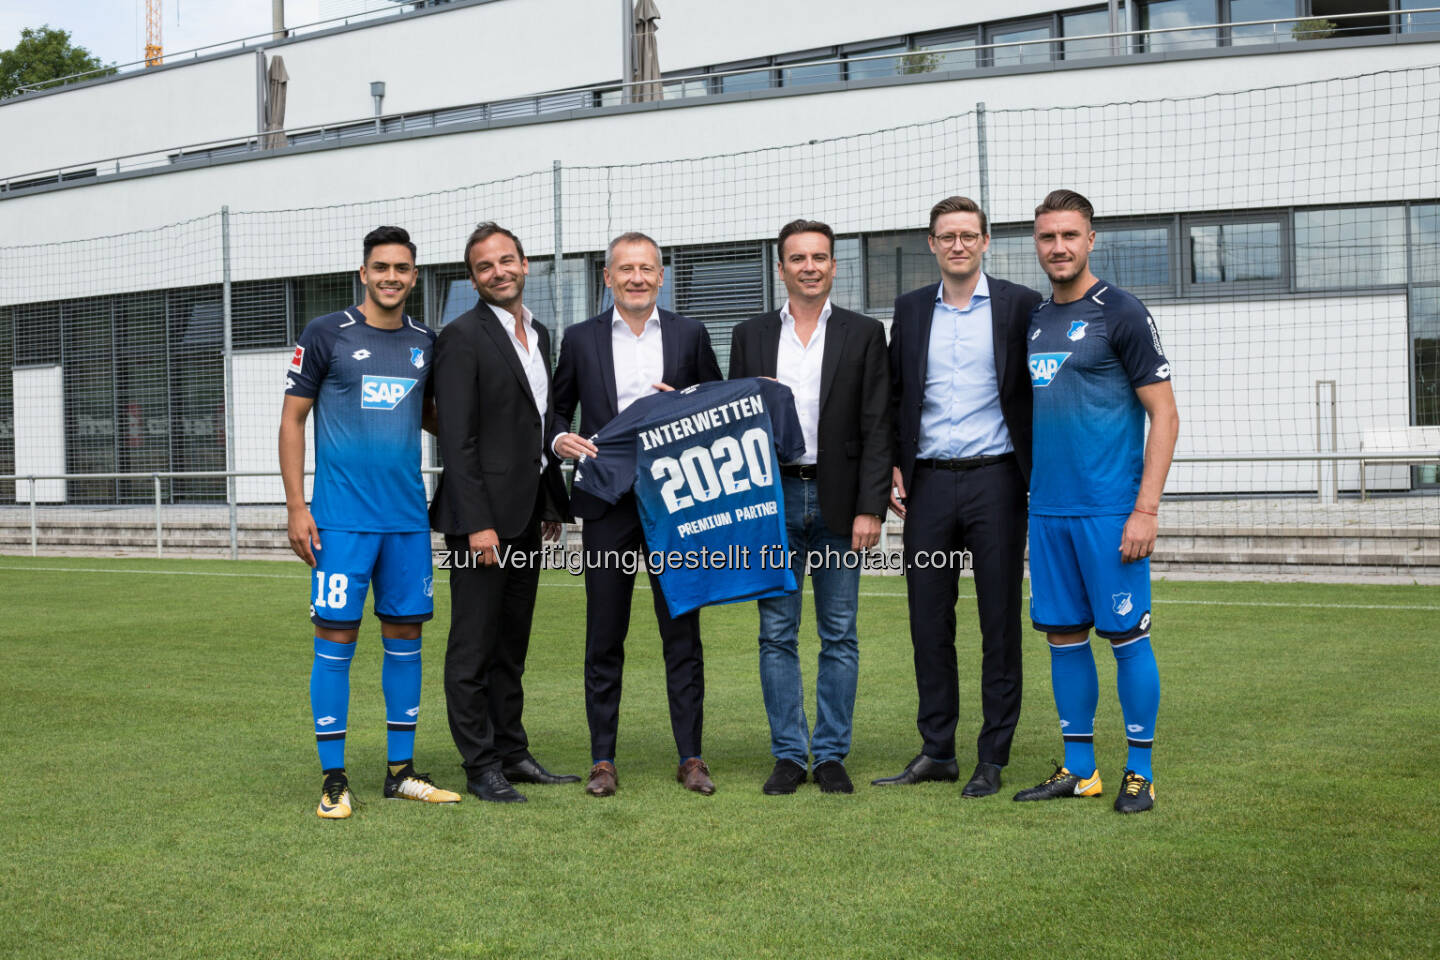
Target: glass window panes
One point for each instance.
(142, 394)
(7, 405)
(1424, 243)
(1241, 10)
(1013, 258)
(1135, 258)
(1411, 22)
(1034, 49)
(197, 390)
(89, 397)
(1425, 331)
(743, 81)
(457, 294)
(812, 72)
(37, 333)
(1349, 247)
(1162, 14)
(680, 89)
(720, 286)
(319, 295)
(895, 263)
(1235, 252)
(884, 66)
(942, 51)
(257, 314)
(849, 289)
(1083, 24)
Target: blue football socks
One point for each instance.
(330, 700)
(1137, 681)
(400, 680)
(1077, 692)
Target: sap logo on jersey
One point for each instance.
(384, 393)
(1044, 366)
(1077, 330)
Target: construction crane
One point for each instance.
(153, 52)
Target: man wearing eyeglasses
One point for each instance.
(960, 398)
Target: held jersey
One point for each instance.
(1086, 359)
(703, 462)
(369, 386)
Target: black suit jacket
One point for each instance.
(489, 431)
(585, 377)
(854, 436)
(1010, 305)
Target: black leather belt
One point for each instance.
(969, 463)
(804, 471)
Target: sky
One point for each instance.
(114, 30)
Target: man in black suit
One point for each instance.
(492, 392)
(960, 396)
(834, 363)
(607, 363)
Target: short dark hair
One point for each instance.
(380, 236)
(804, 226)
(484, 231)
(1058, 200)
(631, 236)
(959, 205)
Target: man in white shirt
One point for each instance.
(607, 363)
(835, 363)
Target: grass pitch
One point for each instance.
(162, 782)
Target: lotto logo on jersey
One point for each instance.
(384, 393)
(1044, 366)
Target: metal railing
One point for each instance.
(609, 95)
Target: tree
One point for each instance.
(43, 54)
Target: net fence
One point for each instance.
(1286, 240)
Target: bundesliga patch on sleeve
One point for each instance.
(297, 359)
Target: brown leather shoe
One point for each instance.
(601, 782)
(695, 776)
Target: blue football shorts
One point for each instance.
(1077, 580)
(400, 565)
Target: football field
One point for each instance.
(162, 779)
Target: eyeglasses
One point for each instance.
(966, 240)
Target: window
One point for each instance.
(885, 66)
(257, 314)
(1425, 331)
(88, 379)
(7, 405)
(1418, 22)
(1245, 254)
(1349, 247)
(720, 286)
(938, 52)
(37, 333)
(1355, 26)
(895, 263)
(197, 390)
(317, 295)
(1029, 33)
(142, 400)
(811, 73)
(849, 289)
(1261, 32)
(1424, 243)
(680, 89)
(746, 80)
(1162, 14)
(1012, 257)
(1088, 22)
(1136, 258)
(456, 293)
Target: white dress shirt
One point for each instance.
(531, 359)
(797, 365)
(639, 361)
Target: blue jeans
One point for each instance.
(836, 598)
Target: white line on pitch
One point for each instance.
(642, 586)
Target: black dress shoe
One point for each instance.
(921, 769)
(529, 770)
(832, 778)
(984, 781)
(492, 786)
(786, 776)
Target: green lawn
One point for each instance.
(162, 784)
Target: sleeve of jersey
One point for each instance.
(784, 421)
(309, 362)
(611, 471)
(1136, 342)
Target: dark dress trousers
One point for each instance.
(982, 510)
(489, 436)
(585, 377)
(853, 461)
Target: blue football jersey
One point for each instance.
(1086, 359)
(369, 387)
(703, 463)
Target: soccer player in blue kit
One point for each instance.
(366, 372)
(1097, 370)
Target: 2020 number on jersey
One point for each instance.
(704, 473)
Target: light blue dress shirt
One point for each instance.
(961, 417)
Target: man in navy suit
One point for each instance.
(961, 402)
(607, 363)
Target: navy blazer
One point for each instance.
(585, 377)
(1010, 306)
